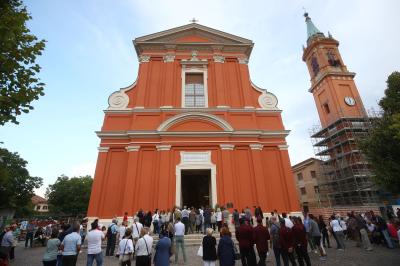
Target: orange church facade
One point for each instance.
(192, 130)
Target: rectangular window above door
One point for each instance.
(194, 90)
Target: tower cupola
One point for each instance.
(312, 30)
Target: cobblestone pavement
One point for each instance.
(352, 256)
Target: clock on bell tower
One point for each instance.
(332, 85)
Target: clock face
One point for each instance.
(349, 100)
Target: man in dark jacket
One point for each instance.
(261, 237)
(207, 219)
(244, 235)
(286, 241)
(300, 242)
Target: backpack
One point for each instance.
(109, 232)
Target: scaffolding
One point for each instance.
(345, 178)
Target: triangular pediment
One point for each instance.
(193, 33)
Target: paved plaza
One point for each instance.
(352, 256)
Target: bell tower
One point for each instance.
(346, 177)
(332, 85)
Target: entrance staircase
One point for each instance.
(196, 239)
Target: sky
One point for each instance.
(89, 54)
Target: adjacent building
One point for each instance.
(346, 176)
(39, 204)
(192, 130)
(306, 175)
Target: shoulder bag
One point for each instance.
(124, 257)
(148, 253)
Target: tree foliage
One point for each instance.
(382, 146)
(19, 85)
(16, 185)
(70, 196)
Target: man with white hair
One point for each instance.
(136, 228)
(143, 247)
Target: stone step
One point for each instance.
(190, 240)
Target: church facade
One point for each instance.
(192, 130)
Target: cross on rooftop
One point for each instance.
(193, 20)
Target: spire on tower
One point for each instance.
(311, 29)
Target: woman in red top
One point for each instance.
(125, 219)
(300, 242)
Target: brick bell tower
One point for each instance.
(346, 176)
(332, 85)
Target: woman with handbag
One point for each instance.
(125, 248)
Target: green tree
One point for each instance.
(16, 185)
(19, 84)
(70, 196)
(382, 145)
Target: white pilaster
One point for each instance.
(227, 146)
(256, 146)
(103, 149)
(163, 147)
(132, 148)
(283, 147)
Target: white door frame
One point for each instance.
(195, 161)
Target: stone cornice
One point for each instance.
(181, 110)
(320, 78)
(154, 133)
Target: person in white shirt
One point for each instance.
(94, 238)
(125, 248)
(121, 231)
(143, 248)
(179, 228)
(218, 216)
(156, 224)
(136, 228)
(338, 231)
(288, 222)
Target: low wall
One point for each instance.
(342, 211)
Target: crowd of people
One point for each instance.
(290, 238)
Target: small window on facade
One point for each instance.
(300, 176)
(303, 190)
(313, 174)
(44, 207)
(194, 90)
(38, 207)
(326, 108)
(314, 65)
(316, 189)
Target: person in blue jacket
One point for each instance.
(226, 250)
(163, 248)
